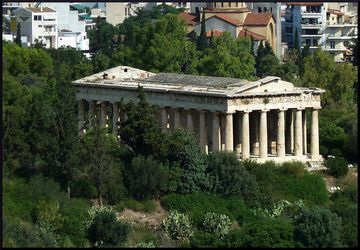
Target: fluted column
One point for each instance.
(281, 134)
(229, 133)
(255, 128)
(203, 131)
(216, 132)
(81, 116)
(314, 134)
(245, 138)
(92, 113)
(177, 118)
(102, 114)
(189, 120)
(304, 132)
(263, 135)
(115, 118)
(238, 146)
(298, 133)
(164, 119)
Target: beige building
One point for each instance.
(261, 120)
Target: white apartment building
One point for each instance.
(38, 24)
(326, 25)
(117, 12)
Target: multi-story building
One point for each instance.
(327, 25)
(38, 24)
(9, 7)
(117, 12)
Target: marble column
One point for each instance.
(216, 135)
(81, 116)
(292, 140)
(102, 114)
(255, 129)
(115, 118)
(314, 134)
(203, 131)
(304, 132)
(245, 138)
(189, 120)
(229, 133)
(177, 118)
(237, 117)
(298, 133)
(164, 119)
(263, 135)
(288, 129)
(92, 113)
(281, 134)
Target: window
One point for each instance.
(271, 9)
(39, 26)
(332, 44)
(84, 37)
(125, 11)
(265, 9)
(222, 4)
(229, 4)
(37, 18)
(237, 4)
(259, 9)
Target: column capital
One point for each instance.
(282, 109)
(264, 110)
(315, 108)
(300, 108)
(247, 111)
(229, 112)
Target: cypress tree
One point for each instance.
(18, 35)
(202, 40)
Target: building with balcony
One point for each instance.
(38, 24)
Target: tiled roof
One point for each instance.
(335, 12)
(257, 19)
(255, 36)
(306, 3)
(38, 10)
(227, 19)
(190, 19)
(227, 10)
(216, 33)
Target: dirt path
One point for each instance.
(152, 220)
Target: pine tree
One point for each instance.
(18, 35)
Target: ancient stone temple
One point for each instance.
(261, 120)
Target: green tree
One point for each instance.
(318, 227)
(202, 39)
(100, 62)
(338, 166)
(18, 35)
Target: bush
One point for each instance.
(146, 177)
(147, 206)
(338, 166)
(216, 223)
(106, 231)
(204, 240)
(293, 168)
(177, 226)
(323, 150)
(335, 152)
(198, 204)
(318, 227)
(230, 177)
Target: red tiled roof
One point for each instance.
(38, 10)
(305, 3)
(335, 12)
(255, 36)
(257, 19)
(227, 10)
(216, 33)
(190, 19)
(227, 19)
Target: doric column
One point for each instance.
(103, 114)
(229, 133)
(292, 140)
(216, 137)
(203, 131)
(245, 140)
(164, 119)
(263, 135)
(189, 120)
(115, 118)
(92, 113)
(81, 116)
(314, 134)
(304, 132)
(237, 117)
(281, 134)
(177, 118)
(298, 133)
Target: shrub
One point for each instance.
(216, 223)
(318, 227)
(335, 152)
(295, 168)
(177, 226)
(323, 150)
(146, 177)
(147, 206)
(106, 231)
(338, 166)
(230, 177)
(204, 240)
(148, 244)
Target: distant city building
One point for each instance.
(117, 12)
(9, 7)
(38, 24)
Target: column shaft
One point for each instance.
(238, 134)
(92, 113)
(164, 119)
(245, 141)
(314, 134)
(203, 131)
(229, 136)
(255, 130)
(103, 114)
(298, 133)
(281, 134)
(304, 132)
(81, 117)
(216, 132)
(189, 120)
(177, 118)
(263, 135)
(115, 118)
